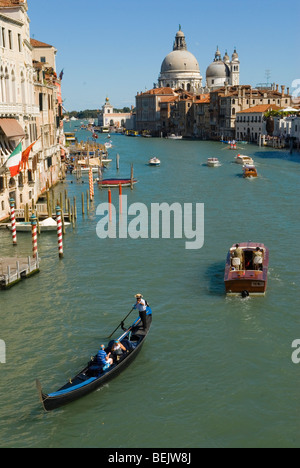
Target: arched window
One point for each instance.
(188, 87)
(7, 85)
(13, 87)
(23, 90)
(2, 85)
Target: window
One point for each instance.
(43, 59)
(41, 101)
(3, 37)
(20, 42)
(10, 40)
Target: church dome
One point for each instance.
(180, 60)
(218, 70)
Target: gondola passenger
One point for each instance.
(104, 358)
(117, 350)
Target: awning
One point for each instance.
(12, 128)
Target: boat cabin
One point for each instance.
(249, 170)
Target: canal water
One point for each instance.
(214, 371)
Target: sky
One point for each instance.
(115, 48)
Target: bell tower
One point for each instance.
(235, 69)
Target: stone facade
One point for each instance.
(29, 96)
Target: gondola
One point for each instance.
(93, 376)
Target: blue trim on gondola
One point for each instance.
(71, 389)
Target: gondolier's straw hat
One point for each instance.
(138, 295)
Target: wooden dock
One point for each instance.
(13, 270)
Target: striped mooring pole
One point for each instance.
(59, 232)
(91, 181)
(34, 235)
(13, 221)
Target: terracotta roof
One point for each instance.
(202, 99)
(11, 3)
(160, 91)
(36, 43)
(261, 109)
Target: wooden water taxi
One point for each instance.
(246, 272)
(249, 170)
(94, 375)
(115, 183)
(242, 159)
(213, 162)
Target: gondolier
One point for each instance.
(141, 306)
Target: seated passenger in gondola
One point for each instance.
(117, 350)
(103, 358)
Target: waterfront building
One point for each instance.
(148, 108)
(109, 118)
(250, 123)
(28, 110)
(227, 101)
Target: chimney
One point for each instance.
(288, 91)
(282, 90)
(277, 87)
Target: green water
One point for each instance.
(214, 371)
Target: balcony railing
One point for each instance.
(19, 109)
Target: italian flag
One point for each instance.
(14, 160)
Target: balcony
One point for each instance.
(18, 109)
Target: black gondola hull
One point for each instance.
(53, 402)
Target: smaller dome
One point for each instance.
(218, 70)
(180, 34)
(235, 56)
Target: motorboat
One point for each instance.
(48, 224)
(154, 161)
(249, 170)
(246, 270)
(242, 159)
(213, 162)
(174, 137)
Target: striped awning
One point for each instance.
(11, 128)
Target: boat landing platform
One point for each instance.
(14, 269)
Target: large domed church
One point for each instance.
(180, 69)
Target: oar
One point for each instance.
(121, 323)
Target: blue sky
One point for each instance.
(116, 48)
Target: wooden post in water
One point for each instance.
(82, 202)
(48, 205)
(38, 223)
(34, 235)
(91, 184)
(75, 208)
(120, 199)
(131, 177)
(87, 201)
(109, 203)
(59, 232)
(13, 221)
(118, 161)
(69, 210)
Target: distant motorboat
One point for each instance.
(249, 170)
(174, 137)
(213, 162)
(242, 159)
(154, 161)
